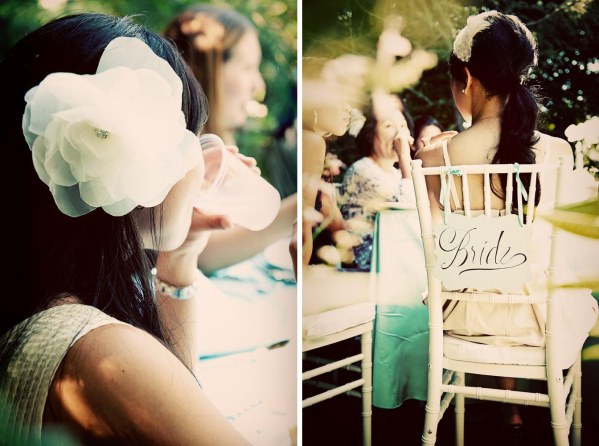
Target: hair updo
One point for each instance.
(502, 54)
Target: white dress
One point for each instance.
(524, 324)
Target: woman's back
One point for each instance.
(477, 146)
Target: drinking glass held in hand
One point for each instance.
(231, 188)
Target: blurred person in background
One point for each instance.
(327, 205)
(373, 181)
(324, 113)
(223, 50)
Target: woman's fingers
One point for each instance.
(250, 162)
(233, 149)
(247, 160)
(429, 143)
(440, 137)
(207, 222)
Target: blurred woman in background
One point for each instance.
(324, 113)
(223, 50)
(374, 180)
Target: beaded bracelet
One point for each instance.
(179, 293)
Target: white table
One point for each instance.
(326, 288)
(245, 371)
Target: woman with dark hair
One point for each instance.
(374, 180)
(223, 51)
(103, 113)
(490, 65)
(425, 127)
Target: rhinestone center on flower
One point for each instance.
(102, 134)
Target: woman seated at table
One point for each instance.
(490, 65)
(373, 181)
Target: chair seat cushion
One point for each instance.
(339, 319)
(577, 314)
(462, 350)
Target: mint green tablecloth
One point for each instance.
(401, 325)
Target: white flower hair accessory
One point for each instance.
(462, 45)
(356, 122)
(115, 139)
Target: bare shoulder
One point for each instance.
(474, 145)
(313, 152)
(121, 379)
(559, 147)
(121, 342)
(312, 141)
(457, 145)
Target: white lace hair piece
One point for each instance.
(462, 45)
(116, 139)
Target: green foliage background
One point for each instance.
(566, 32)
(276, 21)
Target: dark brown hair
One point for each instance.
(501, 58)
(98, 258)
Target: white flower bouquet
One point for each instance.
(585, 135)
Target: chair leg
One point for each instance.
(367, 389)
(557, 402)
(577, 394)
(459, 409)
(433, 406)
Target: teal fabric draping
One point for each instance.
(401, 326)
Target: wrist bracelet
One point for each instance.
(179, 293)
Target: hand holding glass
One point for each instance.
(231, 188)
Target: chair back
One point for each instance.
(479, 248)
(483, 251)
(484, 255)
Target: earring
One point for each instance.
(463, 91)
(315, 118)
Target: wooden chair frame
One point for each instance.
(365, 381)
(446, 377)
